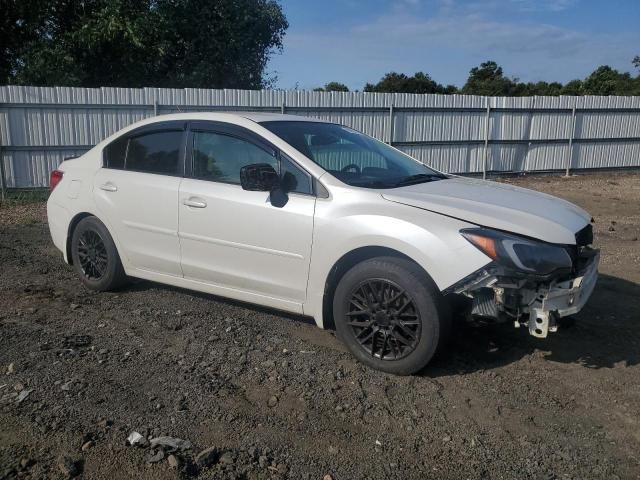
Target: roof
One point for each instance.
(230, 116)
(257, 117)
(260, 117)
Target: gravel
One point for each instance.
(256, 394)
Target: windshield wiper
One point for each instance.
(371, 184)
(403, 182)
(419, 178)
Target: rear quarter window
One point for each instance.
(114, 153)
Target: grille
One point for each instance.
(585, 236)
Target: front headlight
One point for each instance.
(517, 252)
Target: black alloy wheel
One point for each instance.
(390, 314)
(95, 257)
(384, 319)
(92, 254)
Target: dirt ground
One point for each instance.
(273, 396)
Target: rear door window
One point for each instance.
(155, 152)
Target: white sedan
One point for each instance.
(321, 220)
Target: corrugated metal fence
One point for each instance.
(40, 126)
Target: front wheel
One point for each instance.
(390, 315)
(95, 257)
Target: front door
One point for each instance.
(236, 239)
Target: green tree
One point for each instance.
(607, 81)
(519, 89)
(547, 88)
(332, 87)
(19, 25)
(219, 43)
(400, 83)
(166, 43)
(488, 79)
(574, 87)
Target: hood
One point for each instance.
(497, 205)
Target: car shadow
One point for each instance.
(138, 285)
(606, 333)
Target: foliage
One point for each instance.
(607, 81)
(133, 43)
(401, 83)
(206, 44)
(574, 87)
(488, 79)
(20, 196)
(332, 87)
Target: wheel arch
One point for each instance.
(72, 226)
(345, 263)
(73, 223)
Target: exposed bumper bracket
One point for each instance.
(562, 300)
(542, 322)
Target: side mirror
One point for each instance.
(259, 177)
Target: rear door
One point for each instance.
(236, 239)
(137, 192)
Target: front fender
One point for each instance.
(431, 240)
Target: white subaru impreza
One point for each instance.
(321, 220)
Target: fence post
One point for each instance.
(155, 108)
(486, 140)
(390, 125)
(526, 153)
(3, 181)
(572, 134)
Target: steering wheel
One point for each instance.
(352, 166)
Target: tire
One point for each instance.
(95, 257)
(418, 316)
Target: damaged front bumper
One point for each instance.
(529, 301)
(562, 299)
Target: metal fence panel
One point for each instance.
(40, 126)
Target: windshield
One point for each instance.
(351, 156)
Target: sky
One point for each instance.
(358, 41)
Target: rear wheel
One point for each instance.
(95, 257)
(390, 315)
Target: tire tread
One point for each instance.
(116, 276)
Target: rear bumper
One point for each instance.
(58, 218)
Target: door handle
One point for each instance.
(108, 187)
(195, 202)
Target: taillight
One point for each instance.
(54, 179)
